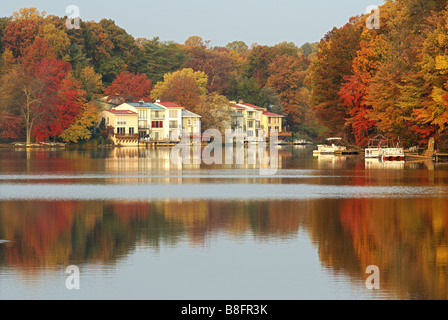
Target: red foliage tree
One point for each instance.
(129, 87)
(61, 95)
(36, 52)
(353, 93)
(19, 35)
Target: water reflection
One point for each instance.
(352, 212)
(408, 243)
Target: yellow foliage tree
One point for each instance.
(80, 128)
(58, 40)
(199, 76)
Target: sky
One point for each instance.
(266, 22)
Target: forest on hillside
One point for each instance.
(356, 82)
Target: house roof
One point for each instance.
(250, 106)
(145, 105)
(169, 104)
(189, 114)
(122, 112)
(270, 114)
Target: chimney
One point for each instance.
(241, 101)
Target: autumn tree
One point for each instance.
(58, 40)
(61, 96)
(28, 14)
(195, 41)
(129, 87)
(238, 46)
(36, 52)
(258, 62)
(91, 83)
(328, 73)
(183, 87)
(19, 35)
(45, 98)
(217, 64)
(287, 77)
(215, 111)
(81, 128)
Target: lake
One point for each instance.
(139, 226)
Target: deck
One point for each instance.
(440, 157)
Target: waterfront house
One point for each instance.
(191, 123)
(252, 119)
(125, 124)
(160, 121)
(271, 122)
(173, 119)
(151, 119)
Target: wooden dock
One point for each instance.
(440, 157)
(157, 143)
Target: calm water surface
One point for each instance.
(141, 227)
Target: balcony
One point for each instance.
(157, 116)
(143, 125)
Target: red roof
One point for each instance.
(169, 104)
(250, 105)
(270, 114)
(122, 112)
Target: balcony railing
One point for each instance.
(126, 137)
(157, 116)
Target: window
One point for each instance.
(121, 131)
(131, 130)
(157, 114)
(276, 129)
(195, 122)
(173, 113)
(250, 124)
(157, 124)
(173, 124)
(143, 124)
(189, 122)
(142, 114)
(121, 121)
(269, 120)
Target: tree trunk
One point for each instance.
(28, 135)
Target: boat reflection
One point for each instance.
(372, 163)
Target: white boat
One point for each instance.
(333, 146)
(390, 150)
(372, 150)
